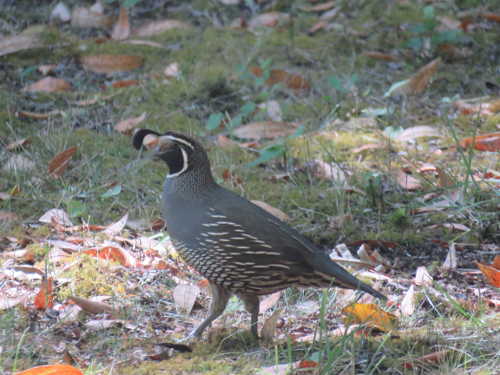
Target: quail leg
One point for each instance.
(220, 296)
(251, 302)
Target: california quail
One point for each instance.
(240, 248)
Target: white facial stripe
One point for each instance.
(180, 140)
(185, 164)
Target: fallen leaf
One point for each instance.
(121, 29)
(113, 253)
(380, 56)
(17, 145)
(58, 369)
(158, 27)
(320, 7)
(435, 357)
(185, 296)
(19, 42)
(491, 271)
(265, 130)
(269, 301)
(38, 116)
(417, 132)
(407, 181)
(484, 142)
(417, 83)
(307, 364)
(478, 105)
(407, 306)
(450, 262)
(124, 83)
(126, 126)
(272, 210)
(115, 228)
(494, 17)
(57, 216)
(290, 80)
(49, 84)
(92, 307)
(60, 162)
(271, 19)
(87, 18)
(422, 277)
(45, 297)
(106, 63)
(369, 314)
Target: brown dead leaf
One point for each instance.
(271, 19)
(185, 296)
(407, 181)
(49, 84)
(158, 27)
(91, 306)
(121, 29)
(265, 130)
(290, 80)
(124, 83)
(380, 56)
(494, 17)
(484, 142)
(126, 126)
(60, 162)
(87, 18)
(111, 63)
(268, 331)
(320, 25)
(421, 79)
(38, 116)
(369, 314)
(272, 210)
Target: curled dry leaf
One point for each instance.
(265, 130)
(484, 142)
(87, 18)
(49, 84)
(450, 262)
(290, 80)
(271, 19)
(58, 369)
(126, 126)
(272, 210)
(407, 306)
(60, 162)
(111, 63)
(57, 216)
(158, 27)
(121, 29)
(491, 271)
(185, 296)
(422, 277)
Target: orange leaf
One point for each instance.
(491, 272)
(109, 253)
(125, 83)
(45, 299)
(59, 162)
(307, 364)
(496, 262)
(126, 126)
(420, 80)
(485, 142)
(111, 63)
(370, 314)
(380, 56)
(491, 17)
(59, 369)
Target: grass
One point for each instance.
(107, 178)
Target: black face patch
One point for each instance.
(176, 159)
